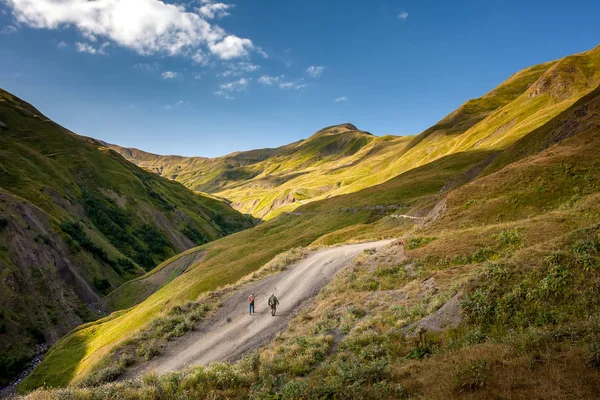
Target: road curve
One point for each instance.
(231, 331)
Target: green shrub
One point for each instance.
(102, 285)
(509, 238)
(10, 366)
(147, 350)
(43, 239)
(105, 375)
(593, 354)
(76, 233)
(472, 376)
(415, 243)
(357, 312)
(194, 235)
(419, 353)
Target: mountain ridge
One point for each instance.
(77, 221)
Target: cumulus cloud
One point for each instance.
(200, 58)
(90, 49)
(315, 71)
(8, 30)
(211, 10)
(403, 16)
(231, 47)
(145, 26)
(339, 99)
(62, 44)
(170, 75)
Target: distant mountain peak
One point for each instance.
(338, 128)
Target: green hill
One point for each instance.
(495, 290)
(76, 222)
(342, 159)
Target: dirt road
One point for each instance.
(232, 332)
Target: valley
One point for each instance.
(462, 262)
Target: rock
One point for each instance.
(3, 125)
(449, 315)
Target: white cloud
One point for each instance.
(224, 94)
(145, 26)
(90, 49)
(315, 71)
(62, 44)
(200, 58)
(226, 89)
(339, 99)
(231, 47)
(170, 75)
(90, 37)
(8, 30)
(238, 69)
(211, 10)
(403, 16)
(198, 77)
(262, 53)
(281, 82)
(292, 85)
(270, 80)
(236, 86)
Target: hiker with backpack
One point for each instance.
(273, 303)
(251, 299)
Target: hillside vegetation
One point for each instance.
(77, 221)
(493, 290)
(342, 159)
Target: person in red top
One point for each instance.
(251, 302)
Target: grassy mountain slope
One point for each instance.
(237, 255)
(509, 248)
(510, 253)
(77, 221)
(340, 159)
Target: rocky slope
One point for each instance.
(77, 221)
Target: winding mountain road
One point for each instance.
(231, 332)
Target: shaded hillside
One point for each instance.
(339, 160)
(77, 221)
(496, 290)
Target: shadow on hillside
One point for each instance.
(65, 361)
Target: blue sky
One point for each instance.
(210, 77)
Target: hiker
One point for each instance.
(273, 303)
(251, 302)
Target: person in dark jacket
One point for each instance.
(273, 303)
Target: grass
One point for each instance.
(240, 254)
(90, 221)
(518, 245)
(270, 182)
